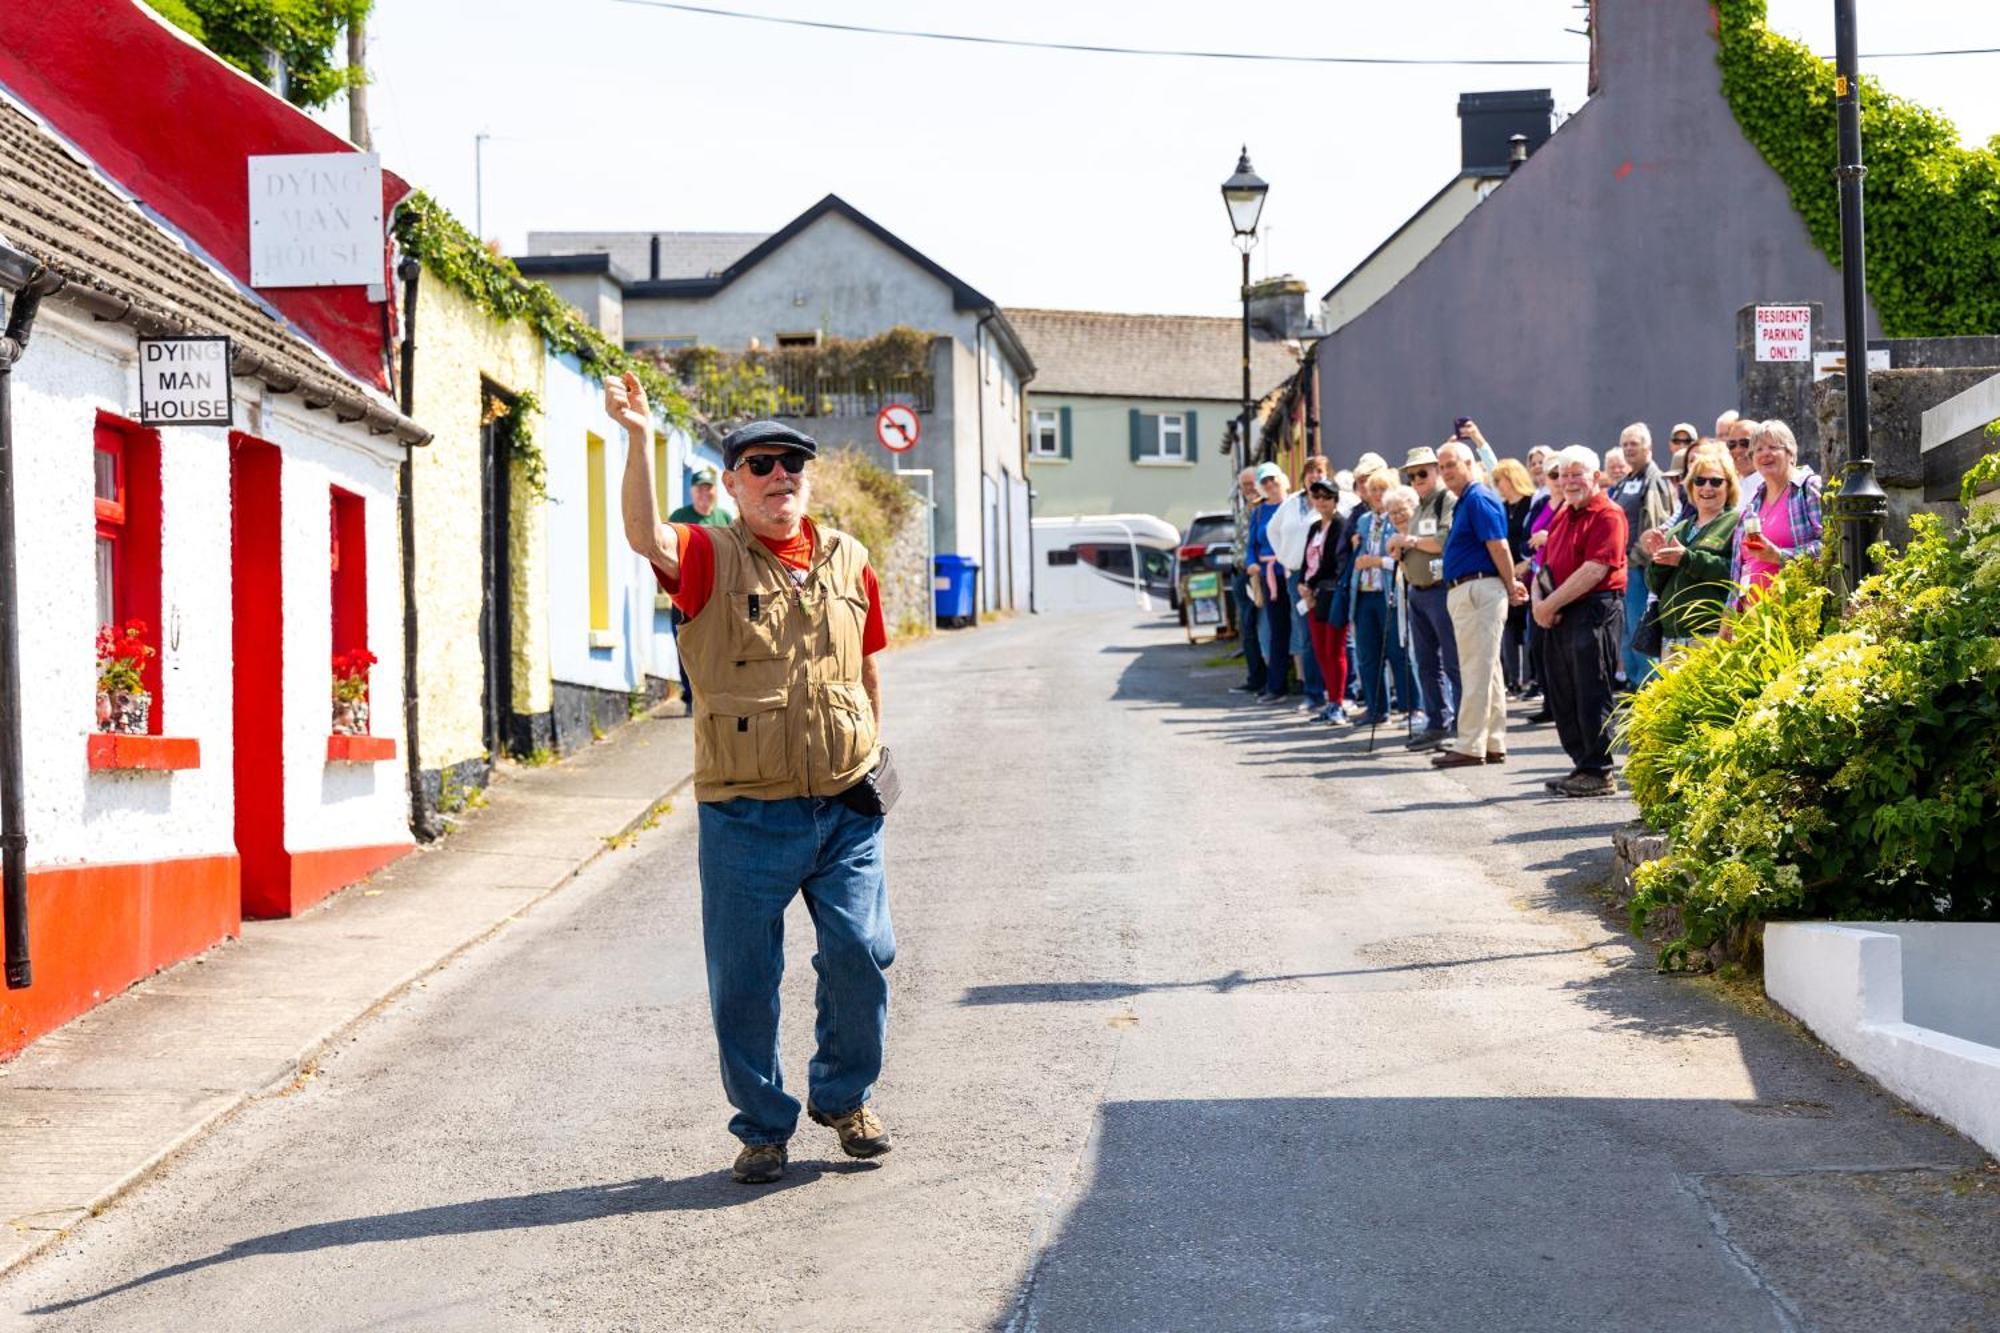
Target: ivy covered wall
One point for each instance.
(1932, 205)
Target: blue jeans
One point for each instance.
(1315, 687)
(754, 856)
(1249, 631)
(1639, 668)
(1276, 621)
(1375, 648)
(1434, 654)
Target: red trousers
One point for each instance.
(1330, 651)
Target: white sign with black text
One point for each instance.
(185, 382)
(1784, 333)
(1833, 361)
(316, 220)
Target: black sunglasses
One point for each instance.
(1706, 482)
(1734, 445)
(1683, 439)
(791, 460)
(1419, 473)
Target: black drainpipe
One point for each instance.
(13, 805)
(421, 823)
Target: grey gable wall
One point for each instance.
(1597, 286)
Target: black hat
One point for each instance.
(765, 432)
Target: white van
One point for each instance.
(1101, 562)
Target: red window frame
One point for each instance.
(132, 523)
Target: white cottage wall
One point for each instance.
(330, 805)
(73, 369)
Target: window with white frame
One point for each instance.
(1045, 435)
(1170, 439)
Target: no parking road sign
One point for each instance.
(897, 427)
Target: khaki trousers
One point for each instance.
(1479, 621)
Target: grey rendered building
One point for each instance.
(1595, 286)
(833, 272)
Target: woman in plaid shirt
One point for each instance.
(1783, 517)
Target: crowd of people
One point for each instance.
(1426, 595)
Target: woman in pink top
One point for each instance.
(1783, 518)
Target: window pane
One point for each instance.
(107, 475)
(107, 580)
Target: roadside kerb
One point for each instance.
(94, 1108)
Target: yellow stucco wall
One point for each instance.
(458, 347)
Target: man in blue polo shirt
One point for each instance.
(1480, 586)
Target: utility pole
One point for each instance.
(1861, 505)
(357, 81)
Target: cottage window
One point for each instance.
(596, 534)
(350, 572)
(1172, 437)
(1163, 437)
(807, 338)
(1045, 434)
(125, 465)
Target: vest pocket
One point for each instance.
(758, 621)
(744, 736)
(849, 721)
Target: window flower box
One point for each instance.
(123, 704)
(347, 748)
(350, 692)
(118, 751)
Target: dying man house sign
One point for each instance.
(316, 220)
(184, 382)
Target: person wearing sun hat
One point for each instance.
(1420, 553)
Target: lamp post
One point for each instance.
(1861, 505)
(1243, 194)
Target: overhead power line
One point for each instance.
(1087, 48)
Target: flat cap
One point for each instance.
(766, 432)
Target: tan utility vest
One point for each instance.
(776, 669)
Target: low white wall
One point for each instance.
(1907, 1002)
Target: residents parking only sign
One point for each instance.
(1784, 333)
(184, 382)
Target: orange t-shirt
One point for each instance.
(697, 577)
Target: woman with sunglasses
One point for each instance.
(1689, 572)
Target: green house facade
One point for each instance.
(1128, 413)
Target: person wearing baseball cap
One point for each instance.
(700, 511)
(781, 621)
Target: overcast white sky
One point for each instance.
(1042, 178)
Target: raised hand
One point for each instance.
(625, 402)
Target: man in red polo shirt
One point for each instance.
(1581, 606)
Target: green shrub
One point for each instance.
(861, 498)
(1845, 766)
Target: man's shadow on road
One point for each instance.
(585, 1203)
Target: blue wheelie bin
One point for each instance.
(957, 583)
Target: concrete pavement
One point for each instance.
(1203, 1019)
(97, 1105)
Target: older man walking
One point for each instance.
(1479, 587)
(1582, 607)
(782, 621)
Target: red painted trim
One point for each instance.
(176, 127)
(110, 750)
(93, 930)
(257, 641)
(316, 874)
(346, 749)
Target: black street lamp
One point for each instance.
(1243, 194)
(1861, 505)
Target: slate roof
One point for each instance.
(1147, 356)
(120, 263)
(683, 254)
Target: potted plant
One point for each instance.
(350, 691)
(123, 705)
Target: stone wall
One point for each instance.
(904, 571)
(1897, 401)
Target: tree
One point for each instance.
(299, 39)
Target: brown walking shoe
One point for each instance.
(759, 1164)
(862, 1133)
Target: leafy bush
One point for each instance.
(1823, 764)
(860, 498)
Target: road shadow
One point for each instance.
(585, 1203)
(1084, 992)
(1500, 1214)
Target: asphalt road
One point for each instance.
(1203, 1019)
